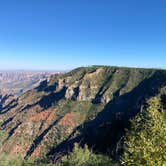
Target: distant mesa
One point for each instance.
(20, 81)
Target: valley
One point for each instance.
(19, 81)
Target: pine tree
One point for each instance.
(145, 142)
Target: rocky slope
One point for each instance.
(87, 105)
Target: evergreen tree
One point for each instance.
(145, 142)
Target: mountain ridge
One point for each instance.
(78, 106)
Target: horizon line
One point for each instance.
(72, 68)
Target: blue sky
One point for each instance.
(63, 34)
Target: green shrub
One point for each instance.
(85, 157)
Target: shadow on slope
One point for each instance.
(48, 100)
(11, 132)
(52, 98)
(3, 125)
(105, 133)
(38, 140)
(44, 87)
(10, 105)
(45, 102)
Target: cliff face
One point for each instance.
(87, 105)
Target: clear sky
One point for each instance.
(63, 34)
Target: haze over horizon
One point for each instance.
(62, 35)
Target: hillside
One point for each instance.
(87, 106)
